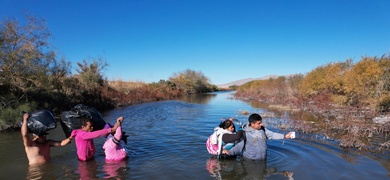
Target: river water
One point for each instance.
(167, 141)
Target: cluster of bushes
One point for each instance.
(363, 85)
(32, 77)
(346, 95)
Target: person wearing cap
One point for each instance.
(38, 148)
(254, 145)
(84, 137)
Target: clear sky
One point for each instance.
(227, 40)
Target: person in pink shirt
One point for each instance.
(84, 138)
(114, 147)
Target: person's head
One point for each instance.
(255, 121)
(228, 125)
(86, 124)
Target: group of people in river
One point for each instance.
(38, 147)
(249, 141)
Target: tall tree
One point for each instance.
(27, 61)
(191, 82)
(91, 72)
(28, 65)
(362, 82)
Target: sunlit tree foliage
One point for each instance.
(191, 82)
(90, 73)
(31, 78)
(28, 66)
(363, 84)
(273, 90)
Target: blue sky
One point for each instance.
(227, 40)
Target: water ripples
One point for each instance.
(167, 141)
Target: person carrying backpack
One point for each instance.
(223, 138)
(254, 145)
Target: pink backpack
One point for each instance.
(212, 144)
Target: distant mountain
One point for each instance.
(243, 81)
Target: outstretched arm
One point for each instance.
(229, 138)
(27, 141)
(61, 143)
(273, 135)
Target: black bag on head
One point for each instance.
(71, 120)
(39, 122)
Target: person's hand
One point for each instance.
(225, 152)
(119, 120)
(25, 116)
(288, 135)
(288, 174)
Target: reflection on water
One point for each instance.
(115, 169)
(87, 170)
(36, 172)
(167, 141)
(199, 98)
(94, 169)
(243, 169)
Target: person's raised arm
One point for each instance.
(117, 124)
(27, 141)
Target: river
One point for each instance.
(167, 141)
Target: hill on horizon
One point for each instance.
(243, 81)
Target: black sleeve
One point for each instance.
(229, 138)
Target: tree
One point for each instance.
(90, 73)
(362, 82)
(313, 83)
(191, 82)
(28, 65)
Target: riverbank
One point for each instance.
(352, 127)
(181, 126)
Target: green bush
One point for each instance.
(11, 117)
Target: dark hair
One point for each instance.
(226, 124)
(254, 118)
(84, 121)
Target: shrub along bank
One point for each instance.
(32, 78)
(349, 96)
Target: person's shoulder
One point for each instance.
(77, 131)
